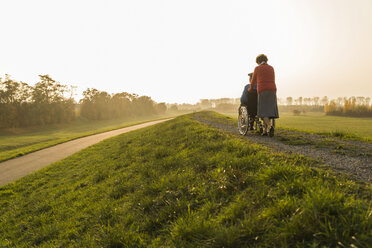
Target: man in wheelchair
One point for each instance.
(249, 101)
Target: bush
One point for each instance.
(296, 112)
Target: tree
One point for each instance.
(289, 100)
(173, 108)
(95, 104)
(324, 100)
(99, 105)
(205, 103)
(300, 100)
(316, 100)
(307, 100)
(23, 105)
(367, 101)
(161, 108)
(144, 105)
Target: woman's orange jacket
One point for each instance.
(264, 76)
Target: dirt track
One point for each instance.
(14, 169)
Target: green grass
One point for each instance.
(335, 125)
(319, 123)
(20, 141)
(183, 184)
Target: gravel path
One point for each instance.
(14, 169)
(346, 156)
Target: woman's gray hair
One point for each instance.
(261, 58)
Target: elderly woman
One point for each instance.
(264, 77)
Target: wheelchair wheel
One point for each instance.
(243, 120)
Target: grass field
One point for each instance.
(20, 141)
(323, 124)
(182, 184)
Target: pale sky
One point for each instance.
(182, 51)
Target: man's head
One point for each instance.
(261, 58)
(250, 76)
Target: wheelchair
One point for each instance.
(248, 121)
(247, 118)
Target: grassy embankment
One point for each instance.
(182, 184)
(319, 123)
(20, 141)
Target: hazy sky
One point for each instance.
(182, 51)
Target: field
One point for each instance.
(322, 124)
(20, 141)
(184, 184)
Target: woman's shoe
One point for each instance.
(264, 134)
(271, 132)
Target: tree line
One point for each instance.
(46, 102)
(353, 106)
(100, 105)
(49, 102)
(307, 101)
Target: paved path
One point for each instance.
(14, 169)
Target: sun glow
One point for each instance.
(178, 51)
